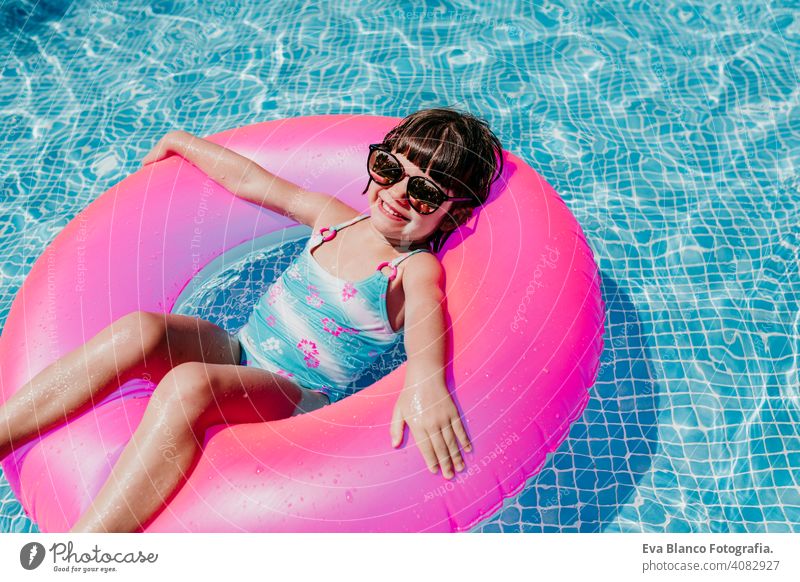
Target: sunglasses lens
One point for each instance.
(424, 196)
(384, 168)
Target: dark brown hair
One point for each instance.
(457, 149)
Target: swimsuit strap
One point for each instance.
(349, 222)
(402, 258)
(327, 233)
(394, 262)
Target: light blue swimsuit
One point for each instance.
(317, 329)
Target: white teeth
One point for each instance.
(390, 211)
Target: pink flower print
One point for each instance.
(372, 353)
(313, 299)
(272, 345)
(283, 372)
(275, 291)
(309, 348)
(335, 329)
(271, 320)
(348, 291)
(293, 272)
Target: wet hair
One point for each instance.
(457, 149)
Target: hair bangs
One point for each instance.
(437, 150)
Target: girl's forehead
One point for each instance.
(411, 168)
(409, 165)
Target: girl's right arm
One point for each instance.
(243, 177)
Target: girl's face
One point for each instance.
(386, 202)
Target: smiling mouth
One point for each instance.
(388, 211)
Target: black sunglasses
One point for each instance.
(423, 195)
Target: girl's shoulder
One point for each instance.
(334, 213)
(422, 269)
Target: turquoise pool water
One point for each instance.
(670, 129)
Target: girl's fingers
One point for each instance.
(442, 453)
(151, 157)
(424, 445)
(158, 153)
(396, 429)
(452, 446)
(458, 428)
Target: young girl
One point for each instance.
(338, 305)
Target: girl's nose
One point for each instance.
(399, 193)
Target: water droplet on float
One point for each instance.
(348, 496)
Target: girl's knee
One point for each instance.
(186, 392)
(141, 328)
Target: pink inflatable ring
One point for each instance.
(526, 336)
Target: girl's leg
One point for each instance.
(166, 444)
(136, 344)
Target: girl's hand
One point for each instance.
(166, 146)
(432, 417)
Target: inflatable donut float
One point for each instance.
(526, 324)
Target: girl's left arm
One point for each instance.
(425, 404)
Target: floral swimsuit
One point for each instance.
(316, 329)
